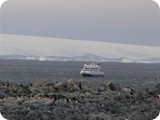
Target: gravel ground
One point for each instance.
(77, 100)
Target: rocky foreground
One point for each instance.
(77, 100)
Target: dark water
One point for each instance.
(20, 71)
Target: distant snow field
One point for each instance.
(41, 46)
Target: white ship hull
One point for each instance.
(91, 74)
(92, 70)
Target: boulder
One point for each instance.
(157, 87)
(113, 87)
(2, 95)
(70, 82)
(58, 86)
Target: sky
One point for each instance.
(119, 21)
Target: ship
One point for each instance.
(92, 70)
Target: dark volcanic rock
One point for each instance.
(113, 87)
(77, 101)
(2, 95)
(158, 87)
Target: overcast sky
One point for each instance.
(120, 21)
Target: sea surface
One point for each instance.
(125, 74)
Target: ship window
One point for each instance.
(87, 68)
